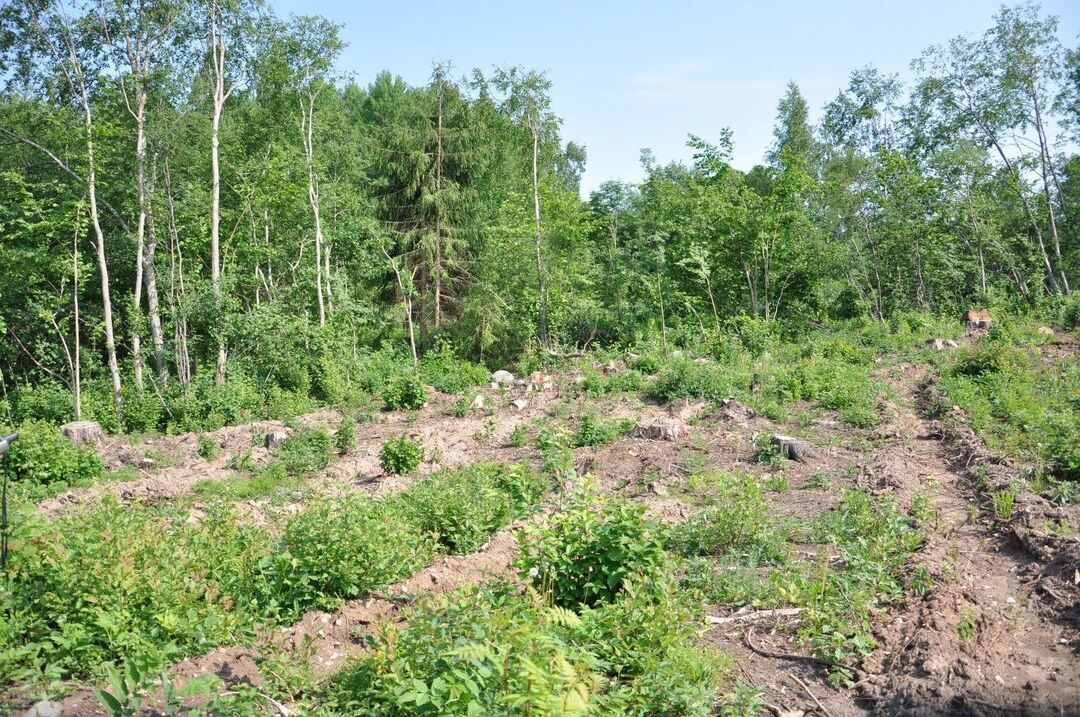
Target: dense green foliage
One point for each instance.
(586, 552)
(43, 462)
(127, 582)
(394, 243)
(400, 455)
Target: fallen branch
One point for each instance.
(752, 616)
(812, 696)
(793, 656)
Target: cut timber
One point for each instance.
(752, 615)
(82, 433)
(793, 448)
(659, 430)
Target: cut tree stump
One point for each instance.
(82, 433)
(276, 438)
(659, 430)
(793, 448)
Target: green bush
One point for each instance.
(493, 651)
(450, 374)
(463, 507)
(43, 462)
(308, 450)
(595, 431)
(738, 523)
(345, 435)
(685, 379)
(208, 447)
(48, 402)
(585, 552)
(335, 550)
(400, 455)
(405, 392)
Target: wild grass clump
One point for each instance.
(596, 431)
(405, 392)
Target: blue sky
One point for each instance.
(634, 74)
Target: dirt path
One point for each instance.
(979, 642)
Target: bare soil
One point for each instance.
(1013, 585)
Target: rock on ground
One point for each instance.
(276, 438)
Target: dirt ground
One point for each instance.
(1016, 582)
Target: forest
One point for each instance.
(280, 291)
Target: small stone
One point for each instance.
(478, 402)
(45, 708)
(520, 404)
(82, 433)
(1045, 331)
(501, 378)
(146, 463)
(276, 438)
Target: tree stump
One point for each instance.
(276, 438)
(659, 430)
(793, 448)
(83, 433)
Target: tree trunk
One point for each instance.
(217, 51)
(1045, 162)
(76, 368)
(307, 127)
(153, 304)
(103, 265)
(544, 341)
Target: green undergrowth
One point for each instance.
(121, 582)
(602, 629)
(739, 556)
(494, 651)
(1022, 403)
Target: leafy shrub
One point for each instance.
(400, 455)
(595, 431)
(208, 447)
(585, 553)
(685, 379)
(345, 435)
(405, 392)
(493, 651)
(556, 455)
(143, 413)
(43, 462)
(328, 383)
(647, 363)
(47, 402)
(463, 507)
(307, 450)
(339, 549)
(737, 523)
(519, 436)
(450, 374)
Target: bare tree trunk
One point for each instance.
(177, 289)
(76, 368)
(663, 317)
(544, 340)
(217, 52)
(153, 304)
(407, 299)
(307, 125)
(1046, 163)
